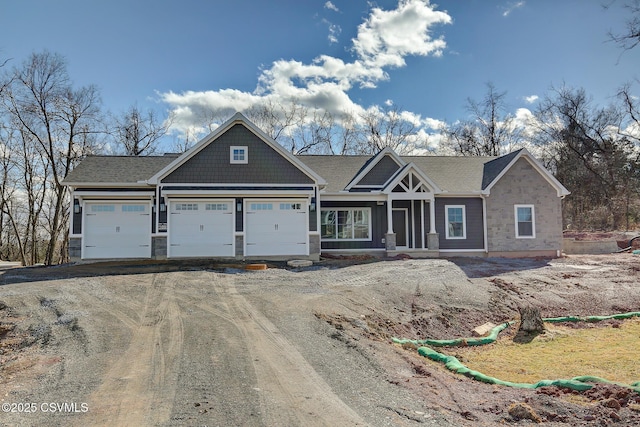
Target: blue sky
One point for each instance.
(424, 59)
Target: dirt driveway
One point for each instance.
(175, 344)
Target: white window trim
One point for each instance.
(239, 147)
(533, 221)
(324, 239)
(464, 222)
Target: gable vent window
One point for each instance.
(239, 155)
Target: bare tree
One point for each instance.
(56, 120)
(305, 129)
(139, 132)
(279, 120)
(630, 37)
(490, 131)
(586, 147)
(387, 128)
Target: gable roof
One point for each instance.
(493, 168)
(449, 174)
(237, 118)
(105, 170)
(371, 163)
(403, 172)
(502, 164)
(462, 175)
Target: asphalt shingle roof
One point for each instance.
(493, 168)
(451, 174)
(118, 169)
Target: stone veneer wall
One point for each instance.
(159, 247)
(75, 248)
(239, 245)
(522, 184)
(314, 246)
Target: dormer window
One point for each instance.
(239, 154)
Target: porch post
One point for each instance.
(433, 240)
(389, 215)
(432, 215)
(390, 237)
(423, 234)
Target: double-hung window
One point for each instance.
(346, 224)
(455, 227)
(525, 221)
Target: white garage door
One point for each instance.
(201, 228)
(117, 230)
(276, 227)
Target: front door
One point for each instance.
(401, 227)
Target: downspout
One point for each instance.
(318, 217)
(484, 223)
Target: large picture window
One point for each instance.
(456, 227)
(346, 224)
(525, 221)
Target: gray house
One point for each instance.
(238, 194)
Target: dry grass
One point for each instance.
(610, 353)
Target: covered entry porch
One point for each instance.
(411, 218)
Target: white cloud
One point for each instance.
(388, 103)
(382, 42)
(386, 37)
(531, 99)
(331, 6)
(511, 6)
(334, 31)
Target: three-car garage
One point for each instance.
(197, 227)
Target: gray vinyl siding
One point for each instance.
(474, 223)
(212, 164)
(378, 226)
(380, 173)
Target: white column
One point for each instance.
(423, 237)
(413, 225)
(389, 215)
(318, 218)
(432, 215)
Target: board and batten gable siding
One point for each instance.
(380, 173)
(211, 165)
(474, 223)
(522, 184)
(378, 226)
